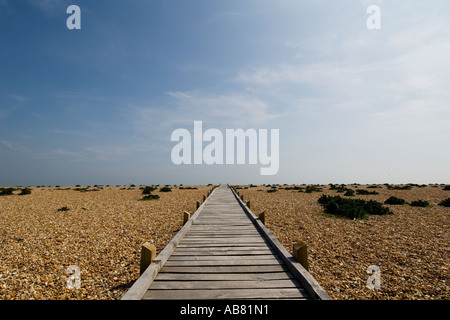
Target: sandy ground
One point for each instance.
(410, 247)
(103, 231)
(101, 234)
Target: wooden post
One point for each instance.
(248, 204)
(198, 204)
(242, 197)
(204, 198)
(186, 217)
(262, 217)
(148, 254)
(300, 251)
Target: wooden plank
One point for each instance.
(225, 276)
(223, 253)
(223, 250)
(224, 231)
(222, 227)
(221, 263)
(223, 245)
(283, 293)
(203, 253)
(227, 269)
(223, 257)
(230, 230)
(236, 284)
(225, 240)
(221, 236)
(230, 238)
(224, 221)
(218, 225)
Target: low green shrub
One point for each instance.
(25, 191)
(445, 203)
(271, 190)
(365, 192)
(148, 190)
(294, 188)
(420, 203)
(394, 200)
(6, 191)
(86, 189)
(165, 189)
(311, 189)
(352, 208)
(407, 187)
(349, 193)
(337, 187)
(150, 197)
(446, 187)
(63, 209)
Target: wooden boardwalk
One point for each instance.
(225, 252)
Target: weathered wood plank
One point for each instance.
(212, 253)
(222, 250)
(223, 245)
(223, 232)
(236, 284)
(223, 257)
(227, 269)
(222, 263)
(202, 236)
(283, 293)
(225, 240)
(218, 225)
(225, 276)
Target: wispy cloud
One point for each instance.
(13, 146)
(11, 103)
(74, 133)
(238, 109)
(181, 108)
(112, 152)
(18, 98)
(50, 7)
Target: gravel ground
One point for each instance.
(101, 234)
(411, 247)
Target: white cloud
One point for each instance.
(109, 152)
(319, 73)
(50, 7)
(18, 98)
(13, 146)
(215, 110)
(227, 109)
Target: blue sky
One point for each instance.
(98, 105)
